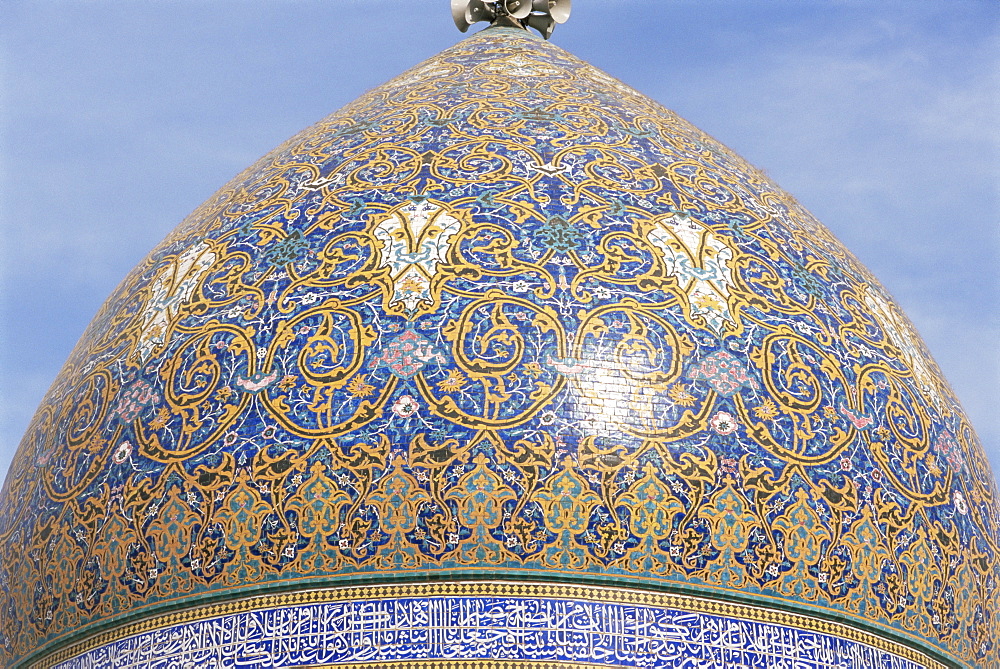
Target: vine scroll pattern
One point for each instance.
(502, 312)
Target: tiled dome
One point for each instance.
(504, 341)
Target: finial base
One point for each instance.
(542, 15)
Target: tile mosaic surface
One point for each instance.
(467, 628)
(502, 314)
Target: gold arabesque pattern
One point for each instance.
(502, 313)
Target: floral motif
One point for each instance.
(161, 419)
(723, 423)
(959, 501)
(134, 398)
(122, 452)
(453, 382)
(724, 372)
(949, 448)
(409, 353)
(766, 411)
(559, 235)
(173, 288)
(405, 406)
(287, 250)
(681, 395)
(414, 245)
(359, 388)
(700, 260)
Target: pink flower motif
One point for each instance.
(723, 423)
(122, 452)
(846, 464)
(947, 446)
(724, 372)
(405, 406)
(876, 475)
(133, 399)
(408, 353)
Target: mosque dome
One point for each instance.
(502, 361)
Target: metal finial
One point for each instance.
(542, 15)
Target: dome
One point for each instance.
(503, 360)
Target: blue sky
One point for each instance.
(117, 118)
